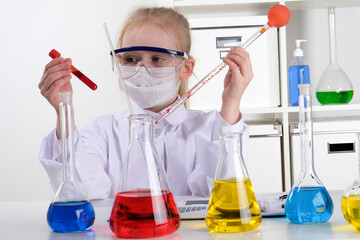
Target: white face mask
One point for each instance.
(153, 90)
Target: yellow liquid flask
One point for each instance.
(232, 206)
(350, 202)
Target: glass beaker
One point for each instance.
(69, 211)
(334, 86)
(232, 205)
(144, 206)
(308, 200)
(350, 201)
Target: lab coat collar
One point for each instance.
(174, 119)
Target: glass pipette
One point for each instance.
(121, 80)
(278, 16)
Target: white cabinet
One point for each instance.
(212, 40)
(264, 162)
(336, 152)
(309, 21)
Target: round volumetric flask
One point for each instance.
(350, 202)
(334, 86)
(308, 200)
(69, 211)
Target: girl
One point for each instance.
(152, 40)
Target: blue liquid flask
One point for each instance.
(299, 73)
(308, 200)
(69, 211)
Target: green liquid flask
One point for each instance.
(334, 86)
(232, 206)
(350, 202)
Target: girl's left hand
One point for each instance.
(236, 80)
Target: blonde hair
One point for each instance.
(169, 20)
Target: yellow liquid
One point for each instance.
(233, 207)
(350, 207)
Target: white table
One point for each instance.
(27, 220)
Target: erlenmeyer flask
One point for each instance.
(144, 206)
(334, 85)
(232, 206)
(70, 211)
(350, 202)
(308, 200)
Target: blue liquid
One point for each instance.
(309, 205)
(297, 74)
(70, 216)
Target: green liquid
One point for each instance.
(334, 97)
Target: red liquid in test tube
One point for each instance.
(54, 54)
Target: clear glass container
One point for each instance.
(334, 86)
(69, 211)
(232, 206)
(350, 202)
(308, 200)
(144, 206)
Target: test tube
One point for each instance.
(54, 54)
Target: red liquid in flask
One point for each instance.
(137, 214)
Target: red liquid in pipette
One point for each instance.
(137, 214)
(54, 54)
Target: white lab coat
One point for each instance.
(187, 142)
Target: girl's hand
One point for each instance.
(236, 80)
(56, 78)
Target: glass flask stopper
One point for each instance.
(232, 205)
(350, 201)
(69, 211)
(308, 200)
(334, 86)
(144, 206)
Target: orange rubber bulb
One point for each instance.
(278, 16)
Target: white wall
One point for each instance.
(28, 31)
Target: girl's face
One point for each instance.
(151, 35)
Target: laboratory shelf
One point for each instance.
(309, 20)
(326, 108)
(292, 4)
(316, 108)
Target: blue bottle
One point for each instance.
(299, 73)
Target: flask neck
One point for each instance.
(67, 136)
(141, 127)
(332, 34)
(231, 163)
(306, 129)
(142, 167)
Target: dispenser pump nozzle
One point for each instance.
(298, 52)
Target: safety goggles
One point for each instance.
(150, 58)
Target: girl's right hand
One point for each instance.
(56, 78)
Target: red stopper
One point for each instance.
(54, 54)
(278, 16)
